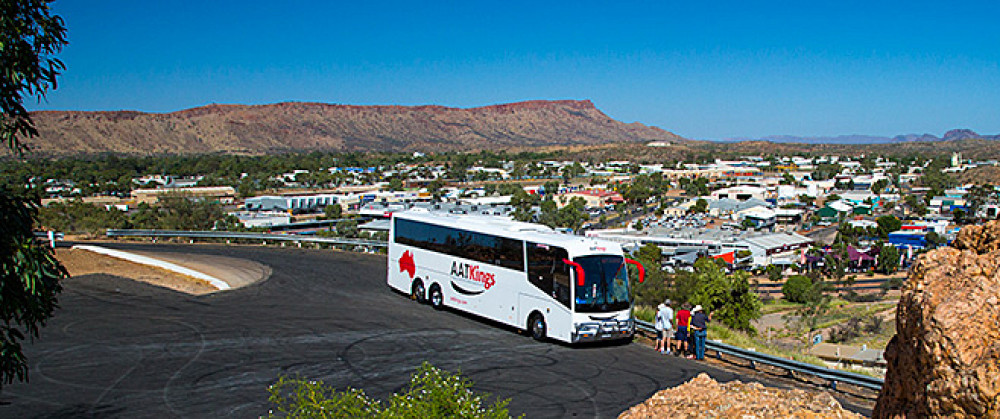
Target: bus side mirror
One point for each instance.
(579, 271)
(642, 270)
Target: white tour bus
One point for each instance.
(564, 287)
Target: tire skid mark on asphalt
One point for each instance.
(558, 379)
(97, 402)
(242, 340)
(166, 387)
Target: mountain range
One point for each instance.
(298, 126)
(953, 135)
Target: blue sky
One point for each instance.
(707, 71)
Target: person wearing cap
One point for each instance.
(699, 329)
(664, 326)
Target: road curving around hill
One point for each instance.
(118, 347)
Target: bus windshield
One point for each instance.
(606, 284)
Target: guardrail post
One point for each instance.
(753, 365)
(833, 384)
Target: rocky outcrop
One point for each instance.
(703, 397)
(283, 127)
(945, 358)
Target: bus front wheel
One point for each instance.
(436, 297)
(417, 292)
(536, 325)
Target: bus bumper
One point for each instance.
(604, 330)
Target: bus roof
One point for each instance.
(498, 226)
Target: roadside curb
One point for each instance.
(145, 260)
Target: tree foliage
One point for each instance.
(29, 284)
(887, 224)
(799, 289)
(728, 297)
(700, 206)
(29, 273)
(431, 393)
(653, 290)
(888, 258)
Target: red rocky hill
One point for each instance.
(255, 129)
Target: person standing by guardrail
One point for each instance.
(664, 326)
(699, 328)
(683, 319)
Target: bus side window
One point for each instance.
(540, 267)
(510, 254)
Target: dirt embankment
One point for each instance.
(81, 262)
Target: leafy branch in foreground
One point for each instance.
(431, 393)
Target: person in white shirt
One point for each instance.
(664, 326)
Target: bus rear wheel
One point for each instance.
(417, 292)
(536, 326)
(436, 297)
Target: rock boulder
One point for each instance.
(703, 397)
(945, 358)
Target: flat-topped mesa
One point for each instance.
(304, 126)
(945, 358)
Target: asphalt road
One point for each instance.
(119, 348)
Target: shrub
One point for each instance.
(644, 313)
(861, 298)
(797, 289)
(431, 393)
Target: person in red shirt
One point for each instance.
(683, 320)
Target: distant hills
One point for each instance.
(953, 135)
(296, 126)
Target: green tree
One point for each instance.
(573, 214)
(961, 216)
(888, 258)
(728, 297)
(347, 228)
(30, 36)
(180, 212)
(887, 224)
(653, 290)
(700, 207)
(798, 289)
(935, 239)
(395, 183)
(879, 186)
(333, 212)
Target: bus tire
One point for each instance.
(417, 291)
(436, 297)
(537, 327)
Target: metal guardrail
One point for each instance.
(242, 236)
(831, 375)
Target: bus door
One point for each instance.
(548, 273)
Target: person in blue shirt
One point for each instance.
(699, 329)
